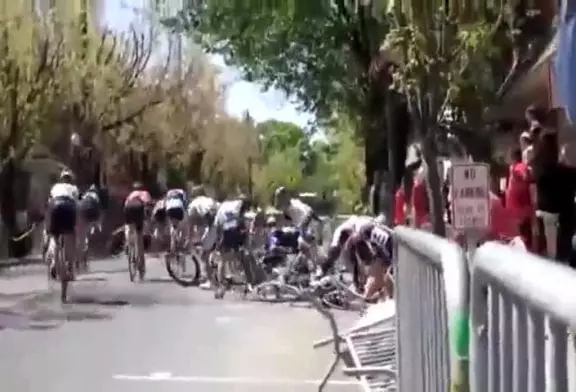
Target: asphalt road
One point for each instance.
(117, 336)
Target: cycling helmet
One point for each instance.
(380, 219)
(271, 221)
(137, 186)
(198, 190)
(66, 176)
(281, 196)
(246, 202)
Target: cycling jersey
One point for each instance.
(228, 214)
(66, 190)
(202, 206)
(299, 212)
(142, 196)
(379, 237)
(286, 237)
(177, 194)
(350, 226)
(92, 195)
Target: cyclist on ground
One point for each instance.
(372, 246)
(300, 214)
(228, 234)
(135, 215)
(62, 207)
(341, 235)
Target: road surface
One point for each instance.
(117, 336)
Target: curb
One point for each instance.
(20, 262)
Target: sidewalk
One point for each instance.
(28, 260)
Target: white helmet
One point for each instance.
(380, 219)
(66, 175)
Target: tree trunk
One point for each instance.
(13, 198)
(434, 184)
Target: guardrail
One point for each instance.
(523, 309)
(431, 294)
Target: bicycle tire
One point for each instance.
(281, 290)
(63, 270)
(195, 278)
(131, 262)
(335, 299)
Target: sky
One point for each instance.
(241, 96)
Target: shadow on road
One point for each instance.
(45, 319)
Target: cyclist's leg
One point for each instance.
(209, 242)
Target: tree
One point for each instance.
(278, 136)
(448, 56)
(29, 62)
(320, 53)
(282, 169)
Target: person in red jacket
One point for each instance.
(399, 206)
(420, 208)
(517, 195)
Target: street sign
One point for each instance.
(470, 184)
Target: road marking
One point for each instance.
(167, 377)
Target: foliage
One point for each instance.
(347, 166)
(318, 52)
(290, 158)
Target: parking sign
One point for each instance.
(470, 196)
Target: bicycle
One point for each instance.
(175, 259)
(343, 343)
(243, 267)
(281, 276)
(63, 267)
(136, 265)
(87, 233)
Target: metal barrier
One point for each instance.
(523, 309)
(431, 293)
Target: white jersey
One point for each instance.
(297, 211)
(174, 203)
(228, 214)
(62, 189)
(353, 224)
(202, 206)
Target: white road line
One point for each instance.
(167, 377)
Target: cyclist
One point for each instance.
(371, 245)
(228, 234)
(176, 203)
(201, 212)
(300, 214)
(159, 218)
(341, 235)
(62, 207)
(90, 207)
(135, 216)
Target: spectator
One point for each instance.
(554, 192)
(503, 221)
(420, 208)
(400, 206)
(517, 196)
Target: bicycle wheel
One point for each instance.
(63, 268)
(183, 274)
(335, 299)
(275, 291)
(132, 267)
